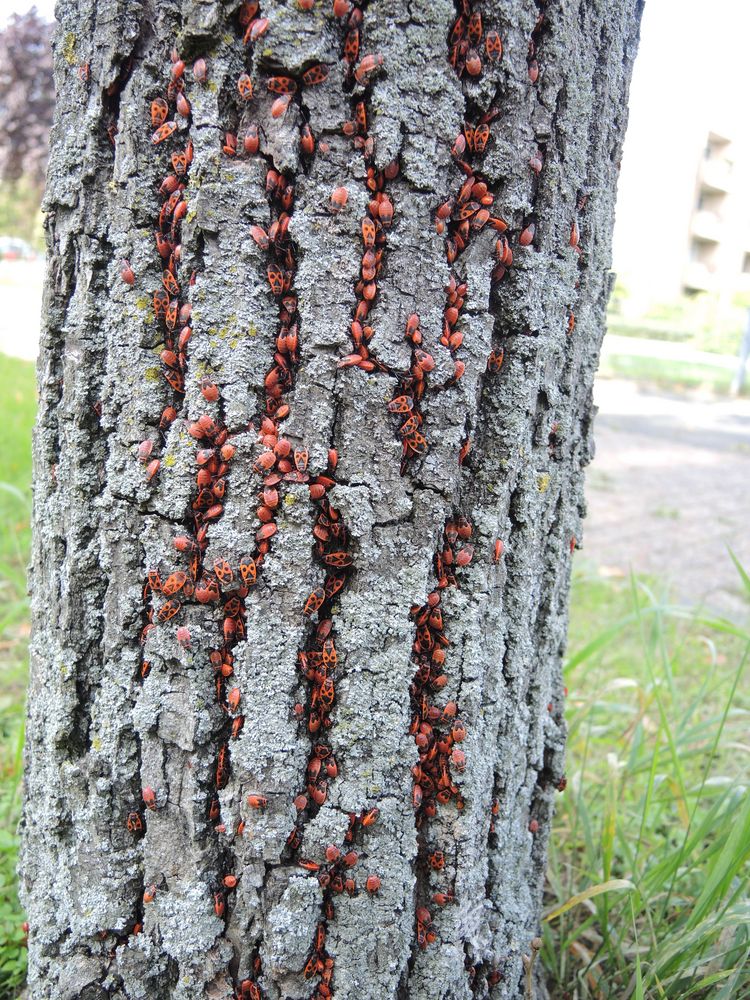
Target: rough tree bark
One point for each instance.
(146, 778)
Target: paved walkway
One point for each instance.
(668, 491)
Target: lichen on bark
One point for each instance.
(99, 731)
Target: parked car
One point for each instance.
(11, 248)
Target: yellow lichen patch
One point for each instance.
(170, 460)
(233, 343)
(142, 302)
(289, 500)
(542, 482)
(96, 743)
(69, 48)
(152, 374)
(252, 330)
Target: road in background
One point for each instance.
(668, 491)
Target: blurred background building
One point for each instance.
(683, 211)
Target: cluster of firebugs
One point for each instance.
(437, 731)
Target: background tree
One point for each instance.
(27, 97)
(323, 310)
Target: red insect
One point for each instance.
(257, 801)
(223, 571)
(245, 87)
(159, 112)
(170, 283)
(493, 46)
(372, 884)
(315, 601)
(280, 105)
(167, 611)
(315, 75)
(275, 279)
(369, 817)
(367, 66)
(134, 822)
(161, 303)
(222, 767)
(282, 85)
(248, 571)
(474, 28)
(351, 46)
(170, 317)
(527, 235)
(339, 198)
(127, 274)
(481, 138)
(149, 797)
(256, 29)
(473, 63)
(368, 233)
(174, 583)
(306, 140)
(179, 163)
(495, 360)
(207, 590)
(497, 551)
(200, 72)
(163, 132)
(251, 142)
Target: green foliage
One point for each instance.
(667, 374)
(657, 765)
(17, 408)
(703, 322)
(20, 211)
(12, 951)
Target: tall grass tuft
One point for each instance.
(656, 805)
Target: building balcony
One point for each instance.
(707, 226)
(698, 277)
(716, 175)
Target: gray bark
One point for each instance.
(98, 733)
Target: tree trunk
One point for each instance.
(373, 474)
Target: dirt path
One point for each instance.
(668, 491)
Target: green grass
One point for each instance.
(705, 322)
(657, 797)
(657, 766)
(667, 374)
(17, 407)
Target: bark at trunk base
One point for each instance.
(98, 734)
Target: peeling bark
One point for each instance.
(180, 768)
